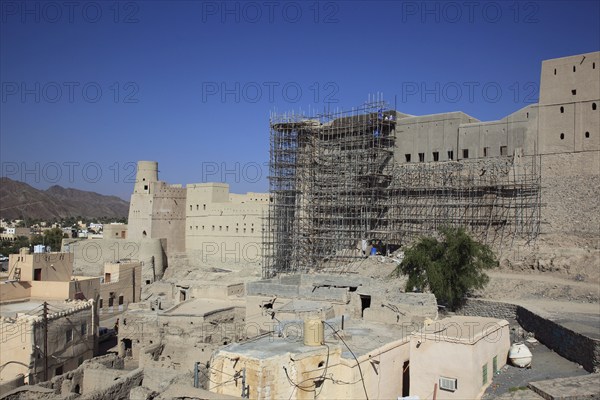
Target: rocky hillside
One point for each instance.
(20, 199)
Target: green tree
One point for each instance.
(450, 268)
(53, 238)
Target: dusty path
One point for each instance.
(543, 290)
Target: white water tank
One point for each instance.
(314, 334)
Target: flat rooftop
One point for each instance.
(32, 307)
(199, 307)
(461, 329)
(361, 337)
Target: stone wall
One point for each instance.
(571, 193)
(569, 344)
(492, 309)
(120, 390)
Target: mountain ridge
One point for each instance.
(20, 199)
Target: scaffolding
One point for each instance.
(335, 186)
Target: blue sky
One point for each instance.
(90, 87)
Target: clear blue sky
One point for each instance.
(90, 87)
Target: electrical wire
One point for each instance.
(311, 387)
(362, 378)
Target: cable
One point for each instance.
(362, 378)
(310, 388)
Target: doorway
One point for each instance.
(365, 302)
(405, 379)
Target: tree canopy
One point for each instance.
(450, 268)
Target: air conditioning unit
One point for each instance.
(449, 384)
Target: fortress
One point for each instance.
(202, 220)
(373, 173)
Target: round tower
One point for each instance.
(147, 172)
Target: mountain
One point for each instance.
(19, 199)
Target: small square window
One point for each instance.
(450, 155)
(407, 157)
(436, 156)
(503, 151)
(465, 153)
(421, 157)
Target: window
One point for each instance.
(237, 230)
(226, 228)
(465, 153)
(121, 300)
(220, 227)
(421, 157)
(244, 230)
(436, 156)
(593, 65)
(37, 274)
(407, 157)
(145, 187)
(251, 230)
(594, 106)
(69, 335)
(100, 303)
(562, 136)
(111, 299)
(486, 151)
(495, 365)
(574, 92)
(484, 376)
(562, 110)
(197, 207)
(450, 154)
(190, 207)
(58, 371)
(554, 71)
(587, 135)
(503, 151)
(204, 206)
(574, 68)
(83, 329)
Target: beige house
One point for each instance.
(49, 276)
(460, 355)
(40, 266)
(122, 285)
(11, 234)
(46, 276)
(364, 360)
(26, 356)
